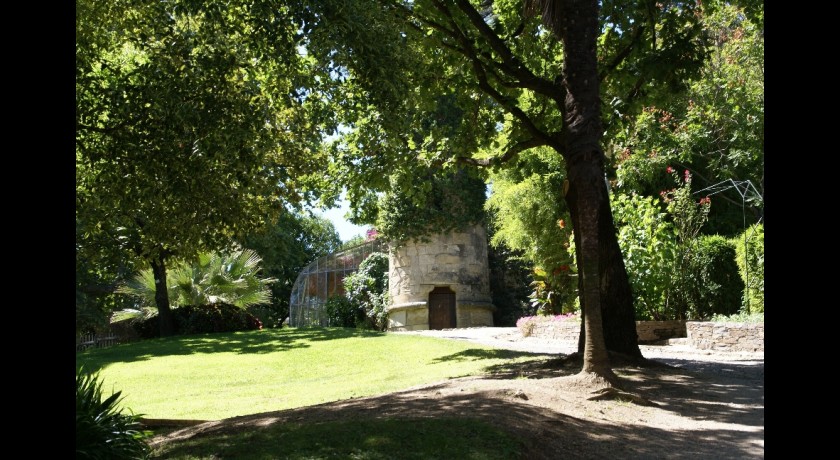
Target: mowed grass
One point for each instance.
(216, 376)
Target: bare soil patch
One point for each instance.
(705, 404)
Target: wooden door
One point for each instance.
(442, 309)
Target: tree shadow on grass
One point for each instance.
(250, 342)
(544, 433)
(501, 370)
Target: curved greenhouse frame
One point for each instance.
(322, 279)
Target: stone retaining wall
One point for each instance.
(649, 331)
(567, 331)
(655, 331)
(700, 334)
(726, 336)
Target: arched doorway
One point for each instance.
(442, 308)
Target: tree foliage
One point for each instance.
(294, 239)
(715, 129)
(191, 127)
(529, 211)
(232, 277)
(438, 201)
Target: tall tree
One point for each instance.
(190, 126)
(575, 23)
(518, 87)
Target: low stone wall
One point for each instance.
(649, 331)
(701, 335)
(568, 331)
(656, 331)
(726, 336)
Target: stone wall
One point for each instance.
(566, 331)
(649, 331)
(655, 331)
(726, 336)
(701, 335)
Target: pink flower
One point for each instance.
(669, 170)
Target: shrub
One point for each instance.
(102, 430)
(509, 277)
(741, 317)
(368, 289)
(649, 246)
(192, 319)
(270, 315)
(751, 267)
(341, 312)
(218, 317)
(147, 328)
(714, 285)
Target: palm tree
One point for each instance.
(228, 277)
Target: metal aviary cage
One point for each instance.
(322, 279)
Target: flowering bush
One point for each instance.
(649, 245)
(526, 323)
(688, 217)
(367, 290)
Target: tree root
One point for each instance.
(615, 394)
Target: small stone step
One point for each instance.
(678, 341)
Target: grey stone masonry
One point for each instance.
(726, 336)
(702, 335)
(655, 331)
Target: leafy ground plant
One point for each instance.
(103, 431)
(742, 317)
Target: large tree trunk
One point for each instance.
(617, 311)
(167, 323)
(576, 24)
(584, 195)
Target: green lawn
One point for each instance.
(216, 376)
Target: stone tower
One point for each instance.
(442, 284)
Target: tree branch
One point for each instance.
(510, 63)
(509, 154)
(484, 84)
(622, 55)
